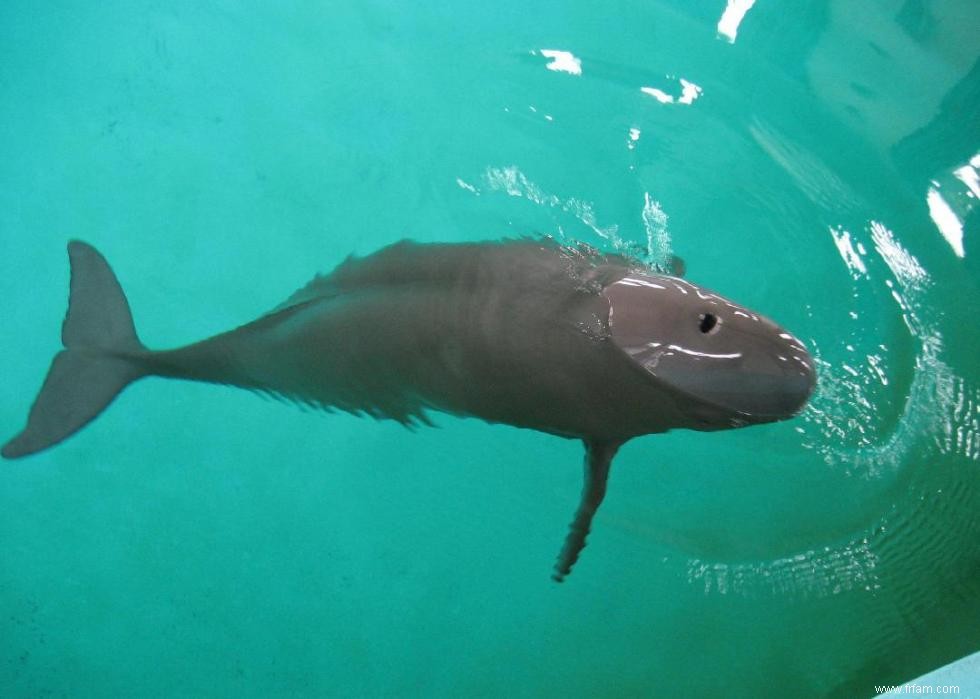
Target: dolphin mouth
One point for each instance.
(752, 400)
(754, 389)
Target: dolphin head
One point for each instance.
(729, 365)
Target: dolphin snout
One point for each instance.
(797, 384)
(799, 375)
(771, 381)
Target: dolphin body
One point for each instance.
(529, 333)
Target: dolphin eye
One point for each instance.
(708, 323)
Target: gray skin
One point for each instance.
(526, 333)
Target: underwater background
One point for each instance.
(816, 161)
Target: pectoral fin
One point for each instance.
(598, 457)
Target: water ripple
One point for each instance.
(828, 570)
(931, 511)
(511, 181)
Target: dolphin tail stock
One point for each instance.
(101, 356)
(598, 458)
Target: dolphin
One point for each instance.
(532, 333)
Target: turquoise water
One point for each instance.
(813, 162)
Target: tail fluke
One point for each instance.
(102, 355)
